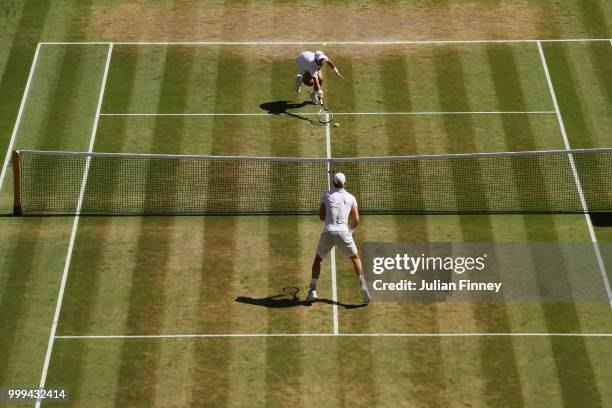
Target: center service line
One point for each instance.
(333, 251)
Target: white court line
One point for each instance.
(75, 224)
(333, 251)
(602, 267)
(337, 113)
(24, 98)
(323, 42)
(190, 336)
(332, 256)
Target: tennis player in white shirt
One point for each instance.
(336, 206)
(309, 66)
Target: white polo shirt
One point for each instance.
(306, 63)
(338, 204)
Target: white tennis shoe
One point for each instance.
(314, 98)
(312, 296)
(366, 296)
(298, 83)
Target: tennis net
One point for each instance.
(556, 181)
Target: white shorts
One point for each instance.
(341, 239)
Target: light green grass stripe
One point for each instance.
(46, 239)
(496, 357)
(425, 360)
(79, 93)
(119, 257)
(147, 307)
(553, 318)
(97, 237)
(218, 266)
(284, 373)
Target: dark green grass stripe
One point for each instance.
(341, 97)
(459, 130)
(426, 357)
(497, 357)
(601, 59)
(139, 359)
(570, 103)
(283, 370)
(78, 304)
(63, 98)
(64, 102)
(355, 370)
(117, 97)
(54, 132)
(509, 94)
(394, 77)
(574, 368)
(146, 309)
(558, 317)
(58, 119)
(92, 241)
(12, 84)
(593, 16)
(220, 236)
(572, 353)
(19, 267)
(576, 375)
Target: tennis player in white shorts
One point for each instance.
(309, 66)
(337, 205)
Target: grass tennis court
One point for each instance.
(179, 311)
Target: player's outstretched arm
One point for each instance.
(317, 87)
(333, 66)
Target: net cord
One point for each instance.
(317, 159)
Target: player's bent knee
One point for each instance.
(306, 78)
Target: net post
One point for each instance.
(16, 183)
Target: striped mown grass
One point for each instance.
(183, 275)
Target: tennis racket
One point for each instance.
(325, 115)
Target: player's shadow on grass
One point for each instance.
(287, 299)
(282, 108)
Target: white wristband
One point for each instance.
(320, 92)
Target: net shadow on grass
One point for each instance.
(282, 107)
(288, 299)
(601, 219)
